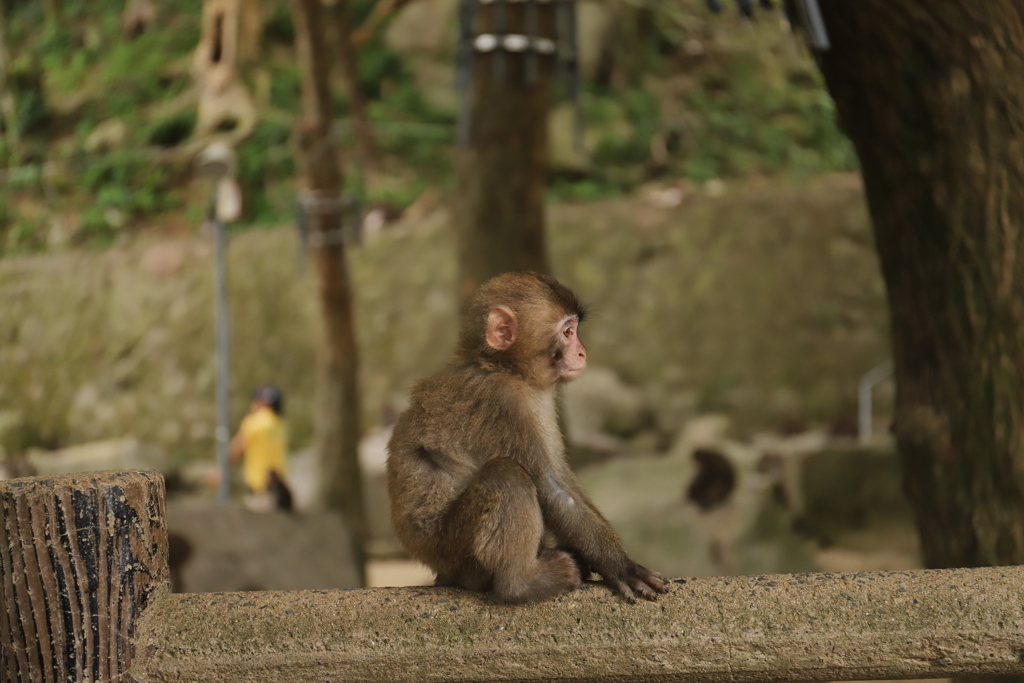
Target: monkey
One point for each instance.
(714, 481)
(477, 475)
(710, 489)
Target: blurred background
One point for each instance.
(694, 189)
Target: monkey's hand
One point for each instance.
(636, 580)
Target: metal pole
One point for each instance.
(222, 354)
(817, 34)
(872, 377)
(219, 163)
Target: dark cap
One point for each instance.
(270, 395)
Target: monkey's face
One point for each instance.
(531, 326)
(570, 356)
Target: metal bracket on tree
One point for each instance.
(346, 208)
(500, 42)
(800, 13)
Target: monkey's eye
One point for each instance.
(568, 332)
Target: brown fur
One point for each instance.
(480, 490)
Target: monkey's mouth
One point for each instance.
(568, 372)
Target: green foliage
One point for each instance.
(22, 236)
(404, 102)
(286, 86)
(644, 36)
(631, 117)
(263, 160)
(279, 28)
(88, 50)
(125, 187)
(715, 395)
(742, 125)
(744, 108)
(60, 61)
(5, 218)
(26, 83)
(133, 74)
(379, 68)
(171, 130)
(426, 153)
(398, 196)
(421, 135)
(582, 190)
(25, 178)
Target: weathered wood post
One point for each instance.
(80, 557)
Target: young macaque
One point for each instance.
(714, 482)
(479, 485)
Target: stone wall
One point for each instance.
(764, 301)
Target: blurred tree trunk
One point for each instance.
(381, 10)
(53, 12)
(501, 173)
(338, 409)
(349, 63)
(137, 17)
(8, 107)
(932, 95)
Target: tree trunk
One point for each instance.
(53, 12)
(338, 411)
(501, 173)
(8, 107)
(932, 95)
(349, 62)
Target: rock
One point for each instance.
(233, 549)
(715, 187)
(563, 153)
(16, 435)
(425, 33)
(852, 489)
(426, 26)
(708, 430)
(435, 83)
(111, 454)
(601, 412)
(794, 446)
(664, 197)
(163, 259)
(304, 481)
(304, 478)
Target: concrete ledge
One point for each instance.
(807, 627)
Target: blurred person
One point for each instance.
(262, 445)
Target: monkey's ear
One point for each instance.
(501, 327)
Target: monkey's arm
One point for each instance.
(576, 522)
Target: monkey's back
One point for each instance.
(435, 448)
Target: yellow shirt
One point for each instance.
(266, 444)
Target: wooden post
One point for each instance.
(80, 557)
